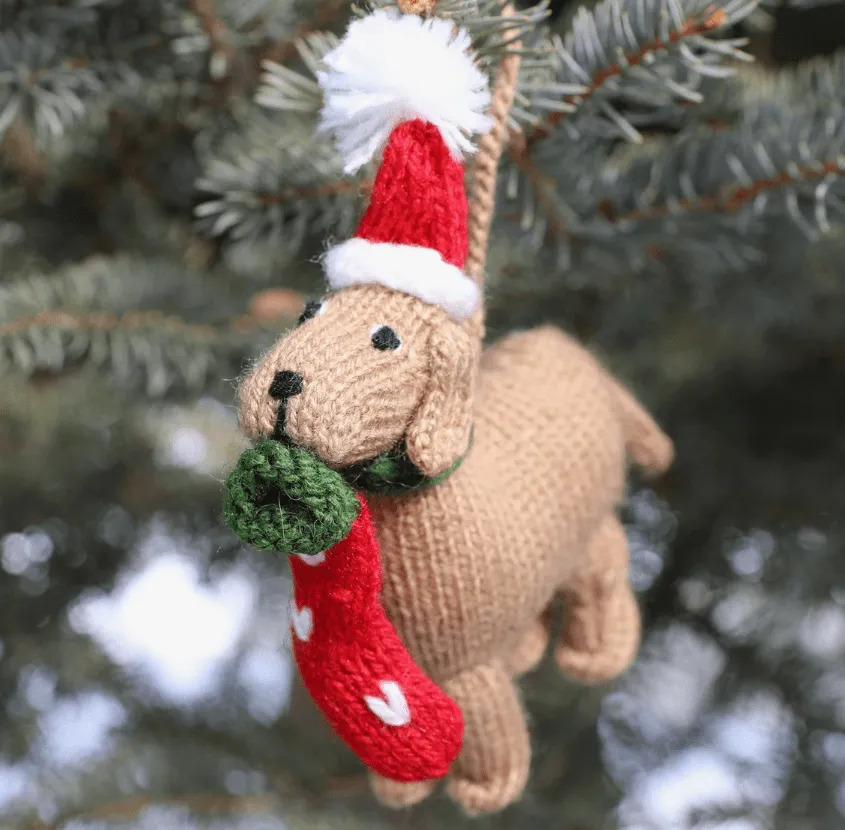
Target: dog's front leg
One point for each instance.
(398, 794)
(492, 769)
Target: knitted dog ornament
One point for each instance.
(412, 238)
(483, 485)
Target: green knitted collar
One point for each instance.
(394, 474)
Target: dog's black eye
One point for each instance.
(385, 339)
(312, 309)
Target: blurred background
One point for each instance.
(673, 194)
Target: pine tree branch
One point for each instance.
(821, 79)
(134, 806)
(102, 322)
(325, 14)
(306, 194)
(624, 62)
(64, 65)
(20, 151)
(222, 50)
(542, 187)
(702, 199)
(494, 33)
(691, 27)
(734, 199)
(166, 355)
(284, 89)
(37, 84)
(781, 161)
(115, 284)
(260, 189)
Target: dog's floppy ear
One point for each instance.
(439, 431)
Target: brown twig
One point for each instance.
(733, 200)
(267, 308)
(58, 318)
(325, 14)
(520, 146)
(132, 807)
(273, 303)
(19, 149)
(294, 194)
(216, 29)
(716, 19)
(541, 185)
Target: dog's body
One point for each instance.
(512, 526)
(471, 564)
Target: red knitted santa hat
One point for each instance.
(410, 86)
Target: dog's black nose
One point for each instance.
(285, 385)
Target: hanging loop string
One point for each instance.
(483, 197)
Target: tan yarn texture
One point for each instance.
(358, 400)
(490, 146)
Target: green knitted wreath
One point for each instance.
(284, 499)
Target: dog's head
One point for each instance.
(368, 369)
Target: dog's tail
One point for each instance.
(647, 444)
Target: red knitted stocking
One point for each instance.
(355, 667)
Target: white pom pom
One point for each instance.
(392, 68)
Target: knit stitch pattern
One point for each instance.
(356, 407)
(283, 499)
(393, 474)
(471, 566)
(419, 179)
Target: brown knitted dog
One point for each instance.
(472, 564)
(535, 434)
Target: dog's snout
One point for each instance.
(285, 385)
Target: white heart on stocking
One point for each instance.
(302, 621)
(393, 708)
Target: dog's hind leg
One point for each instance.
(602, 626)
